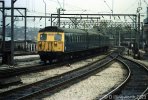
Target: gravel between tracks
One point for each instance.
(34, 77)
(88, 89)
(94, 86)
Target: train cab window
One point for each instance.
(43, 36)
(58, 37)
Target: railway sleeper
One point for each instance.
(5, 82)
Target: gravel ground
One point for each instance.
(94, 86)
(34, 77)
(88, 89)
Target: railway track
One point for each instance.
(135, 87)
(38, 67)
(52, 84)
(22, 53)
(12, 76)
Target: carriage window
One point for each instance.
(58, 37)
(43, 36)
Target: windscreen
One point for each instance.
(58, 37)
(43, 36)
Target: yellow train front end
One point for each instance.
(49, 44)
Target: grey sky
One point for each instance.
(76, 6)
(36, 7)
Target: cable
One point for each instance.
(70, 5)
(108, 6)
(59, 3)
(145, 2)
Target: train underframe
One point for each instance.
(62, 56)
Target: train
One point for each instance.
(1, 40)
(63, 43)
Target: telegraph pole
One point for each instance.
(138, 35)
(3, 31)
(25, 30)
(112, 6)
(59, 14)
(45, 12)
(12, 33)
(119, 38)
(138, 30)
(3, 5)
(59, 11)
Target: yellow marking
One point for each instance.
(58, 46)
(50, 44)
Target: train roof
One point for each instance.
(94, 31)
(59, 29)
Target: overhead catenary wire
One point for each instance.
(145, 2)
(59, 3)
(70, 5)
(108, 6)
(133, 5)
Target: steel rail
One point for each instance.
(62, 80)
(142, 95)
(109, 95)
(59, 84)
(146, 90)
(33, 68)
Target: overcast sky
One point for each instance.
(79, 6)
(37, 7)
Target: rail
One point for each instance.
(31, 90)
(135, 85)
